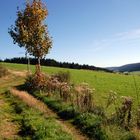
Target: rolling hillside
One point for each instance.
(128, 67)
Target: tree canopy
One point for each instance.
(30, 31)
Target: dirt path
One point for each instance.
(10, 81)
(33, 102)
(8, 129)
(18, 73)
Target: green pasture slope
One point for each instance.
(102, 82)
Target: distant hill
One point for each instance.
(128, 68)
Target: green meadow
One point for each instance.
(102, 82)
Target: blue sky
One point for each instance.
(96, 32)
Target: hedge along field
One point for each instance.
(102, 82)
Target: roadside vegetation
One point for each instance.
(77, 103)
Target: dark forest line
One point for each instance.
(54, 63)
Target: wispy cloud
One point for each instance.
(98, 45)
(133, 34)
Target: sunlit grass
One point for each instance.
(124, 85)
(103, 82)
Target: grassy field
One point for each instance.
(102, 82)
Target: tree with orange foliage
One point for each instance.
(30, 31)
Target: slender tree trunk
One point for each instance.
(28, 62)
(28, 65)
(39, 67)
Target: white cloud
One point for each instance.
(133, 34)
(123, 37)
